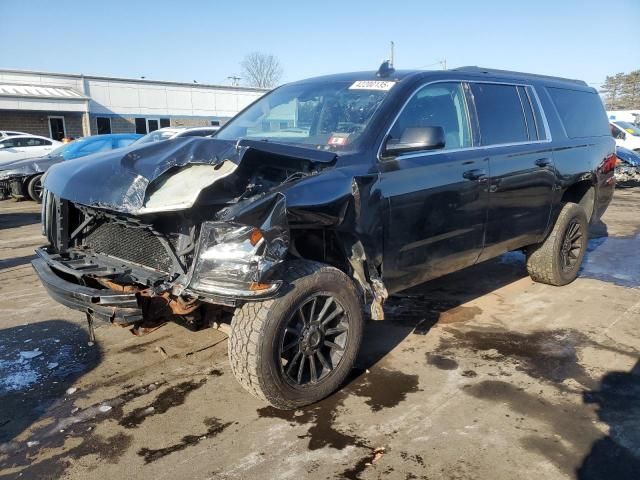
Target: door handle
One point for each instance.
(475, 174)
(543, 162)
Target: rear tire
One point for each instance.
(557, 260)
(273, 346)
(34, 189)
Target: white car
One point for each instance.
(10, 133)
(25, 146)
(627, 135)
(168, 133)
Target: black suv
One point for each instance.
(323, 196)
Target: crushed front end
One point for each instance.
(142, 271)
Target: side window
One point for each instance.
(36, 142)
(96, 146)
(500, 114)
(581, 112)
(123, 142)
(528, 114)
(542, 132)
(437, 105)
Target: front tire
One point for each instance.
(34, 188)
(557, 260)
(298, 348)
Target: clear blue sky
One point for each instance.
(206, 40)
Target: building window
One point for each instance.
(153, 124)
(104, 125)
(215, 123)
(148, 125)
(57, 129)
(141, 126)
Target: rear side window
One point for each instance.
(581, 113)
(500, 114)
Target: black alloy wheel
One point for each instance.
(313, 342)
(571, 246)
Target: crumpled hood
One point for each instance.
(118, 180)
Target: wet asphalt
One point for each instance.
(481, 374)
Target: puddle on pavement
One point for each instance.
(70, 422)
(214, 427)
(166, 400)
(443, 363)
(383, 388)
(38, 362)
(613, 260)
(549, 355)
(566, 421)
(107, 449)
(423, 312)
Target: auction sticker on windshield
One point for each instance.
(372, 85)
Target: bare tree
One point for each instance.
(261, 70)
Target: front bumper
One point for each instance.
(102, 304)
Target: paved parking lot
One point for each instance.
(482, 374)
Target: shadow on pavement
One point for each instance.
(38, 363)
(438, 301)
(616, 456)
(16, 261)
(20, 219)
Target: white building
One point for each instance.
(61, 105)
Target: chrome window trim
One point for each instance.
(479, 147)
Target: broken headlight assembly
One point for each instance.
(232, 260)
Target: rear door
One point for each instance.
(436, 200)
(515, 136)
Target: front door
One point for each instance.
(56, 128)
(436, 200)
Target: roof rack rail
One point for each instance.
(476, 69)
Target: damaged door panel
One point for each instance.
(322, 196)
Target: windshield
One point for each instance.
(59, 151)
(327, 115)
(156, 136)
(629, 128)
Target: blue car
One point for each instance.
(628, 167)
(23, 178)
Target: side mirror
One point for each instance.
(415, 139)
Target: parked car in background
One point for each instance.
(631, 116)
(23, 178)
(627, 167)
(16, 147)
(322, 195)
(10, 133)
(627, 135)
(168, 133)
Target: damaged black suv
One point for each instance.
(323, 196)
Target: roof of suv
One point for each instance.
(472, 71)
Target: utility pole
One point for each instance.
(235, 81)
(392, 54)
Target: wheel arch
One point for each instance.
(583, 193)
